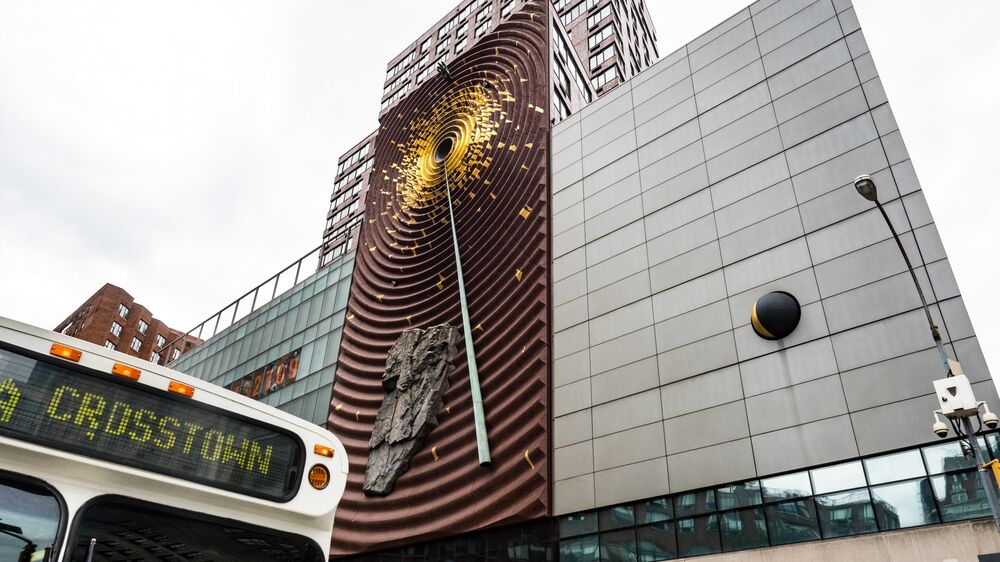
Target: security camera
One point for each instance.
(941, 429)
(990, 420)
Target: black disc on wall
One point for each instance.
(775, 315)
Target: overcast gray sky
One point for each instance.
(186, 150)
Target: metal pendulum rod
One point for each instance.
(482, 441)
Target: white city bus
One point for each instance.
(104, 457)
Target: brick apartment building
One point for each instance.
(112, 318)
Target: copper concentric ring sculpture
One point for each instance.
(488, 128)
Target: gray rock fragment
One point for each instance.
(415, 380)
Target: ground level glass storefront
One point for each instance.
(915, 487)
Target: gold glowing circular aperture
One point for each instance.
(453, 135)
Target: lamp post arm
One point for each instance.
(935, 333)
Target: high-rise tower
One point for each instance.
(595, 44)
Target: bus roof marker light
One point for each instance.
(319, 476)
(126, 371)
(181, 388)
(323, 450)
(65, 352)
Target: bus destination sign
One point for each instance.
(132, 424)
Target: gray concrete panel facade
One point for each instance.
(723, 172)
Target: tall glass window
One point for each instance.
(583, 549)
(656, 542)
(618, 546)
(960, 496)
(838, 477)
(897, 466)
(616, 517)
(846, 513)
(792, 521)
(654, 510)
(698, 535)
(786, 487)
(744, 528)
(905, 504)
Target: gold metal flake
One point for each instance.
(518, 274)
(434, 453)
(528, 458)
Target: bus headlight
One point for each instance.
(319, 476)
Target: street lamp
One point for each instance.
(954, 392)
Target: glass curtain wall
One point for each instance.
(926, 486)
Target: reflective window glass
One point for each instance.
(462, 548)
(960, 496)
(793, 521)
(739, 495)
(947, 457)
(581, 549)
(578, 524)
(618, 546)
(993, 440)
(616, 517)
(838, 477)
(786, 487)
(698, 535)
(898, 466)
(906, 504)
(693, 503)
(743, 529)
(656, 542)
(651, 511)
(29, 520)
(846, 513)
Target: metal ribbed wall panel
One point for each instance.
(495, 111)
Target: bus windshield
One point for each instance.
(123, 529)
(29, 520)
